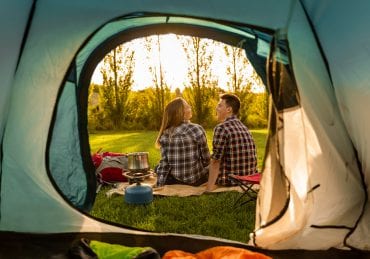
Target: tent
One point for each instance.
(312, 55)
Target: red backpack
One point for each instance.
(110, 166)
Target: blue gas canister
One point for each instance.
(139, 194)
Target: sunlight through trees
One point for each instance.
(134, 82)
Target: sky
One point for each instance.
(174, 62)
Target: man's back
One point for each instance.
(234, 146)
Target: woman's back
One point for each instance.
(186, 152)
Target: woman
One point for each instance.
(184, 151)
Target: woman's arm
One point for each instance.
(163, 167)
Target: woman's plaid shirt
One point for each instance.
(234, 146)
(184, 154)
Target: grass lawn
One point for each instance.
(209, 214)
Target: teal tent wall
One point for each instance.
(10, 46)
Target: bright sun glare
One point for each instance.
(173, 59)
(174, 63)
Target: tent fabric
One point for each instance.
(344, 43)
(10, 48)
(314, 190)
(65, 155)
(328, 220)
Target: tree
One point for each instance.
(162, 91)
(202, 82)
(94, 111)
(259, 111)
(242, 77)
(117, 73)
(238, 69)
(139, 110)
(121, 107)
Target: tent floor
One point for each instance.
(22, 245)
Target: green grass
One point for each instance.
(126, 142)
(209, 215)
(137, 141)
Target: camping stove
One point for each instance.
(137, 192)
(137, 175)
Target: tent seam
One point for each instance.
(26, 32)
(318, 42)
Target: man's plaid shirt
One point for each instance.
(234, 146)
(184, 154)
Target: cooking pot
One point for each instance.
(138, 161)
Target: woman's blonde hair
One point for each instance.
(173, 116)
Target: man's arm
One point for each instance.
(204, 150)
(214, 171)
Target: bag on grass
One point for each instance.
(110, 166)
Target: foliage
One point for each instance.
(208, 215)
(142, 111)
(161, 94)
(253, 111)
(202, 81)
(239, 78)
(117, 72)
(115, 106)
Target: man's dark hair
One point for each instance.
(233, 101)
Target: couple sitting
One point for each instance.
(185, 157)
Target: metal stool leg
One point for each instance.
(247, 191)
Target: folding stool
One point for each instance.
(246, 183)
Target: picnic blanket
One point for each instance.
(171, 190)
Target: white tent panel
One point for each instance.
(340, 26)
(325, 185)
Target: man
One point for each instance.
(234, 150)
